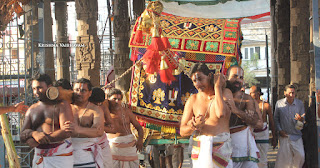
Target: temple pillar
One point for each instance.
(282, 20)
(299, 48)
(47, 37)
(63, 61)
(88, 56)
(121, 29)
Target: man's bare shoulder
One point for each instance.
(266, 105)
(95, 109)
(193, 97)
(227, 93)
(34, 108)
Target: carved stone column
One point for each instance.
(63, 61)
(31, 32)
(283, 44)
(138, 7)
(274, 56)
(88, 57)
(299, 47)
(47, 36)
(121, 33)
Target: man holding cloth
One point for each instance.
(288, 117)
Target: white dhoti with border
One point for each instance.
(106, 152)
(212, 151)
(60, 155)
(290, 153)
(262, 141)
(88, 152)
(245, 153)
(124, 151)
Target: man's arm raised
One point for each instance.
(220, 105)
(186, 127)
(249, 116)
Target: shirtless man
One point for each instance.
(87, 128)
(123, 143)
(43, 128)
(98, 98)
(262, 135)
(206, 115)
(245, 151)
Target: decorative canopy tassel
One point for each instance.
(138, 37)
(152, 57)
(134, 54)
(152, 60)
(165, 42)
(165, 72)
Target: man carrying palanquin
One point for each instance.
(206, 116)
(87, 128)
(245, 153)
(123, 143)
(43, 128)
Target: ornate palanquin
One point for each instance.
(216, 42)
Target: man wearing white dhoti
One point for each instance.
(262, 135)
(288, 117)
(244, 150)
(123, 144)
(206, 116)
(124, 151)
(87, 127)
(53, 155)
(43, 127)
(212, 151)
(245, 153)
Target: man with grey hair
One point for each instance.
(288, 117)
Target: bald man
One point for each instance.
(262, 135)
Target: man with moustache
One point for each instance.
(87, 128)
(206, 116)
(262, 135)
(43, 128)
(245, 152)
(123, 143)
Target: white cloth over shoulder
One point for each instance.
(56, 157)
(124, 151)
